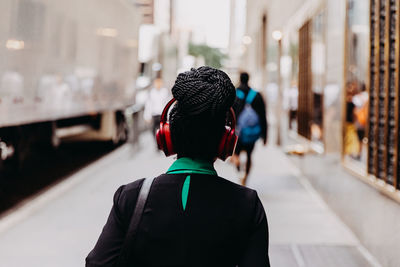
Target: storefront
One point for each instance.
(338, 71)
(370, 131)
(349, 104)
(365, 98)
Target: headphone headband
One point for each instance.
(231, 120)
(226, 145)
(165, 111)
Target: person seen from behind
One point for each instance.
(191, 216)
(157, 98)
(251, 123)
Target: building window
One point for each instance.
(304, 107)
(312, 71)
(356, 95)
(318, 69)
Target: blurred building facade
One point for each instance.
(341, 60)
(157, 41)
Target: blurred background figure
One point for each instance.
(360, 101)
(290, 98)
(157, 99)
(356, 119)
(351, 140)
(251, 122)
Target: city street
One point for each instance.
(81, 81)
(60, 226)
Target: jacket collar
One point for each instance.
(190, 165)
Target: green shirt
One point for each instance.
(189, 165)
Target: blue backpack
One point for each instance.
(248, 123)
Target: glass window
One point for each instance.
(318, 67)
(356, 95)
(312, 72)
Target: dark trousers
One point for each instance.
(292, 117)
(249, 150)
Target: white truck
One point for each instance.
(67, 70)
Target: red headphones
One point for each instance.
(225, 147)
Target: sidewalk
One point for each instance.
(303, 230)
(60, 226)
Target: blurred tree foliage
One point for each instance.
(213, 57)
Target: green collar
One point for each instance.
(189, 165)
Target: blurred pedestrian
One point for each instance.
(192, 217)
(351, 141)
(157, 98)
(360, 101)
(251, 122)
(290, 102)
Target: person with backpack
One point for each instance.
(252, 123)
(188, 216)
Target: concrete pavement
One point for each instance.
(60, 226)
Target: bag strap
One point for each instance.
(129, 242)
(250, 96)
(240, 94)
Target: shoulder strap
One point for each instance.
(240, 94)
(134, 223)
(250, 96)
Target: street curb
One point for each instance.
(52, 192)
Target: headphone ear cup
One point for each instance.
(231, 143)
(221, 146)
(163, 135)
(225, 146)
(160, 137)
(164, 140)
(169, 148)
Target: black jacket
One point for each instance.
(224, 224)
(258, 105)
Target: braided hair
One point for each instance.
(197, 120)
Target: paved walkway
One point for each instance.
(60, 226)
